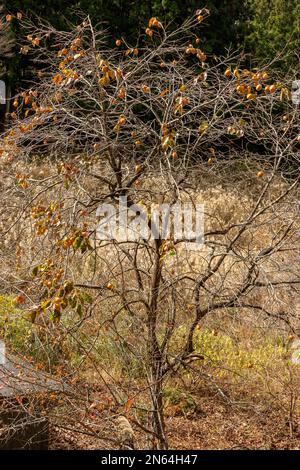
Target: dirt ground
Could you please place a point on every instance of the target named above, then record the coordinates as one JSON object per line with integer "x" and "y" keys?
{"x": 214, "y": 425}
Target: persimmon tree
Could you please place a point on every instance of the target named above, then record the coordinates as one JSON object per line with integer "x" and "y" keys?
{"x": 156, "y": 125}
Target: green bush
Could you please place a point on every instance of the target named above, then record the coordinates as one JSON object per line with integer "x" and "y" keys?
{"x": 221, "y": 352}
{"x": 176, "y": 399}
{"x": 15, "y": 329}
{"x": 22, "y": 337}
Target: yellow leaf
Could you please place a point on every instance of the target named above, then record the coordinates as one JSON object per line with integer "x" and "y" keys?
{"x": 104, "y": 81}
{"x": 203, "y": 126}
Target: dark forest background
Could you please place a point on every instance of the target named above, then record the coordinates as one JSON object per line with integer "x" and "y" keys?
{"x": 262, "y": 28}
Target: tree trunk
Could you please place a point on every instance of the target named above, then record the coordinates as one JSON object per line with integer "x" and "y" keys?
{"x": 155, "y": 356}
